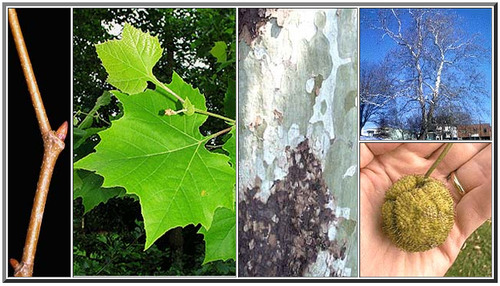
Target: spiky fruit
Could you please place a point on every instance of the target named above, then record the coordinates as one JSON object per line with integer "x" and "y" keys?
{"x": 417, "y": 213}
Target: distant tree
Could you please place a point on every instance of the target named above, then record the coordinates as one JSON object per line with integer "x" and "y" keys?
{"x": 413, "y": 123}
{"x": 452, "y": 116}
{"x": 384, "y": 127}
{"x": 436, "y": 60}
{"x": 392, "y": 121}
{"x": 375, "y": 91}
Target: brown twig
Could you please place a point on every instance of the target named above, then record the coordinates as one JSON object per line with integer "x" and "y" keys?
{"x": 53, "y": 143}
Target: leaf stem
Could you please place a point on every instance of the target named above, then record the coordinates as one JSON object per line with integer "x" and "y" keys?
{"x": 232, "y": 121}
{"x": 438, "y": 160}
{"x": 162, "y": 85}
{"x": 218, "y": 133}
{"x": 96, "y": 116}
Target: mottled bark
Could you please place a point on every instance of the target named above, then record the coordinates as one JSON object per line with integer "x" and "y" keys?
{"x": 297, "y": 144}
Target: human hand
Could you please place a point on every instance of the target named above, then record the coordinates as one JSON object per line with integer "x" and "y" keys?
{"x": 382, "y": 164}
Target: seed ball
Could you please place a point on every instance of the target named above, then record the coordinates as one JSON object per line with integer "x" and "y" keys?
{"x": 417, "y": 213}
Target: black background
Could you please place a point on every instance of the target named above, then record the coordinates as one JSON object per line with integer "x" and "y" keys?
{"x": 47, "y": 33}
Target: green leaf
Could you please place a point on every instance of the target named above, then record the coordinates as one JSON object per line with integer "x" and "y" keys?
{"x": 77, "y": 181}
{"x": 189, "y": 107}
{"x": 220, "y": 239}
{"x": 102, "y": 100}
{"x": 230, "y": 146}
{"x": 219, "y": 51}
{"x": 130, "y": 61}
{"x": 87, "y": 185}
{"x": 163, "y": 160}
{"x": 80, "y": 135}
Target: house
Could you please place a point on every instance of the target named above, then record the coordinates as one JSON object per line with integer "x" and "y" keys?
{"x": 481, "y": 131}
{"x": 443, "y": 133}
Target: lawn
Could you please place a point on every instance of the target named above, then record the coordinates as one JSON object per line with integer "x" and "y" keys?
{"x": 474, "y": 259}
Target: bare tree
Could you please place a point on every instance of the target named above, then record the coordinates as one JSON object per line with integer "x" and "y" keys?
{"x": 392, "y": 122}
{"x": 452, "y": 115}
{"x": 375, "y": 91}
{"x": 437, "y": 60}
{"x": 413, "y": 123}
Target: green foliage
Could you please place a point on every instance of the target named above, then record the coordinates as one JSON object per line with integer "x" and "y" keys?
{"x": 189, "y": 107}
{"x": 116, "y": 254}
{"x": 195, "y": 32}
{"x": 221, "y": 237}
{"x": 87, "y": 185}
{"x": 130, "y": 60}
{"x": 161, "y": 159}
{"x": 191, "y": 41}
{"x": 219, "y": 51}
{"x": 117, "y": 250}
{"x": 230, "y": 147}
{"x": 230, "y": 99}
{"x": 102, "y": 100}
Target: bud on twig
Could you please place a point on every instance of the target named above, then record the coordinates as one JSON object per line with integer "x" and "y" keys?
{"x": 62, "y": 131}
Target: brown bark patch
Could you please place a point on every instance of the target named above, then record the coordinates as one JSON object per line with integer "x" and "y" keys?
{"x": 283, "y": 236}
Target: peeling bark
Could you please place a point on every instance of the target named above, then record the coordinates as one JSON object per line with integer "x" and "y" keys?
{"x": 297, "y": 144}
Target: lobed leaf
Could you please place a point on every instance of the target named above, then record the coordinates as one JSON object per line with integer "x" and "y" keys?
{"x": 129, "y": 62}
{"x": 163, "y": 160}
{"x": 87, "y": 186}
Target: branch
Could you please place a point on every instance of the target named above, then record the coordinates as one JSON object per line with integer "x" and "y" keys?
{"x": 53, "y": 143}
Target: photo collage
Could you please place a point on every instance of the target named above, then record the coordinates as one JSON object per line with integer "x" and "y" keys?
{"x": 249, "y": 143}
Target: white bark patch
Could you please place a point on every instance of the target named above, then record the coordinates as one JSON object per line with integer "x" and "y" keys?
{"x": 343, "y": 212}
{"x": 350, "y": 171}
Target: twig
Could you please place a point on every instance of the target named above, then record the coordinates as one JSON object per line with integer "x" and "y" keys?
{"x": 53, "y": 143}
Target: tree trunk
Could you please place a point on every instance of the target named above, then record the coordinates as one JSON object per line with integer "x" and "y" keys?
{"x": 176, "y": 243}
{"x": 423, "y": 124}
{"x": 297, "y": 144}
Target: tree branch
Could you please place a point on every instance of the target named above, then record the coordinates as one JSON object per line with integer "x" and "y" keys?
{"x": 53, "y": 142}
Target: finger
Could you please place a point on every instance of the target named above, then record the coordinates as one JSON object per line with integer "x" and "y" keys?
{"x": 366, "y": 155}
{"x": 476, "y": 170}
{"x": 424, "y": 150}
{"x": 473, "y": 174}
{"x": 407, "y": 158}
{"x": 382, "y": 148}
{"x": 474, "y": 208}
{"x": 458, "y": 155}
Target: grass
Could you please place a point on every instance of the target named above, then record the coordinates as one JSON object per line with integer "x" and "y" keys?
{"x": 474, "y": 260}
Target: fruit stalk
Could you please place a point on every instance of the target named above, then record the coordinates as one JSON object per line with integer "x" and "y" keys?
{"x": 438, "y": 160}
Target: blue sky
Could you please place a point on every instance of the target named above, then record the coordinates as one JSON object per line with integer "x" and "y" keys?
{"x": 373, "y": 48}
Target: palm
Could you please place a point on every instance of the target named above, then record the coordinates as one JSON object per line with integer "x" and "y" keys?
{"x": 379, "y": 256}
